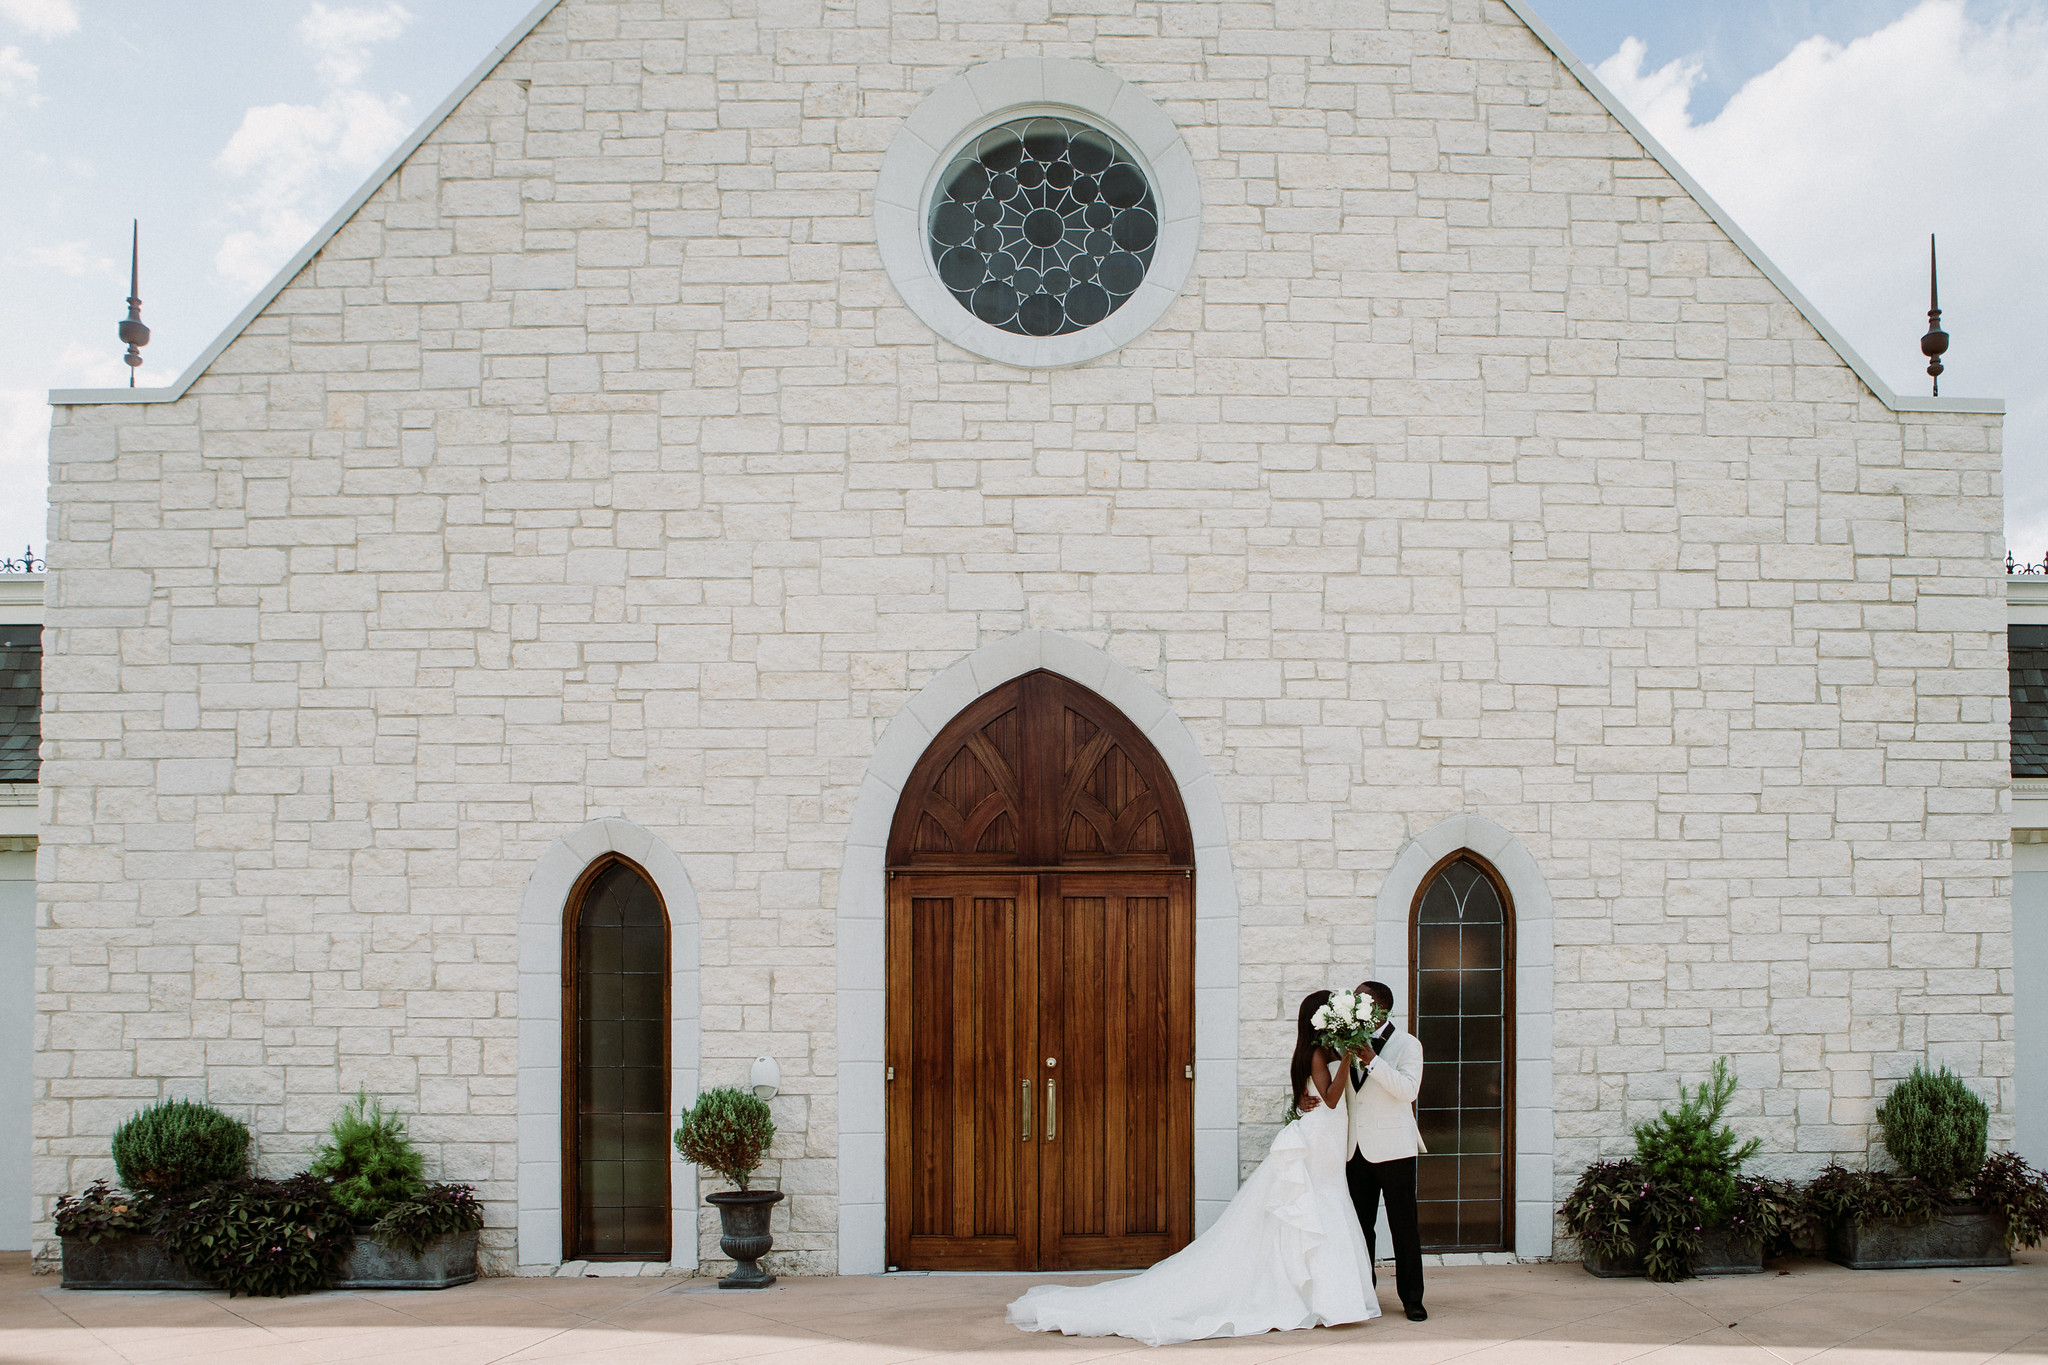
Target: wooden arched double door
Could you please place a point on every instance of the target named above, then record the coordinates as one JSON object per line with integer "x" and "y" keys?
{"x": 1040, "y": 993}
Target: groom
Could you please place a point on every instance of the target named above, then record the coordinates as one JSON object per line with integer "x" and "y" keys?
{"x": 1384, "y": 1142}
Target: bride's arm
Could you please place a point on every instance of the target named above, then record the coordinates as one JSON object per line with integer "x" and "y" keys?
{"x": 1327, "y": 1087}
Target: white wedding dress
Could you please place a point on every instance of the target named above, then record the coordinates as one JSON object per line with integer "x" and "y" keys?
{"x": 1286, "y": 1253}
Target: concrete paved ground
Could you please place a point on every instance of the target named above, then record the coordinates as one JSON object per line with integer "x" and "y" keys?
{"x": 1511, "y": 1315}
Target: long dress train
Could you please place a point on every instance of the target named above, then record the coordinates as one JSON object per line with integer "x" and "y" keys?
{"x": 1286, "y": 1253}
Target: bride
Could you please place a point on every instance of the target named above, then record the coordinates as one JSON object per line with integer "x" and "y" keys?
{"x": 1287, "y": 1252}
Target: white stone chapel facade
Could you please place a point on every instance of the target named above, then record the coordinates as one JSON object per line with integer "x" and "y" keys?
{"x": 1384, "y": 472}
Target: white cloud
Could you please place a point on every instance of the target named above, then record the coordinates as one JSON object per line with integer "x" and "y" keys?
{"x": 341, "y": 38}
{"x": 1841, "y": 159}
{"x": 296, "y": 161}
{"x": 17, "y": 73}
{"x": 43, "y": 18}
{"x": 75, "y": 259}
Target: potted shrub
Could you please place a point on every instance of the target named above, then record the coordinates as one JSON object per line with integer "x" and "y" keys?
{"x": 1681, "y": 1206}
{"x": 111, "y": 1239}
{"x": 1946, "y": 1205}
{"x": 728, "y": 1131}
{"x": 408, "y": 1234}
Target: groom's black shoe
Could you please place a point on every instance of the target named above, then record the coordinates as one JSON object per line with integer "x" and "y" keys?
{"x": 1417, "y": 1313}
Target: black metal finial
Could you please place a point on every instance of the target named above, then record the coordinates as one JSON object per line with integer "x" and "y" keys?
{"x": 132, "y": 330}
{"x": 1935, "y": 344}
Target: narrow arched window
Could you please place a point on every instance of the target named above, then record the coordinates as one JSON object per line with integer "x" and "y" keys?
{"x": 615, "y": 1073}
{"x": 1461, "y": 955}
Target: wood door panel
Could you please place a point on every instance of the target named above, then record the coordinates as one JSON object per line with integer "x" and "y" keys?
{"x": 961, "y": 1030}
{"x": 1117, "y": 1011}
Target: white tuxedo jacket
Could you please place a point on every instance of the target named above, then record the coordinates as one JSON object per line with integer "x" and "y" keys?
{"x": 1381, "y": 1121}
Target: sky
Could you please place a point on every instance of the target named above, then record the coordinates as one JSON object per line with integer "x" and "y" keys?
{"x": 1838, "y": 133}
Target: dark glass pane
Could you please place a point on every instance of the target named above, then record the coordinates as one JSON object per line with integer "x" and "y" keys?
{"x": 1436, "y": 993}
{"x": 1438, "y": 1223}
{"x": 1479, "y": 992}
{"x": 646, "y": 949}
{"x": 1439, "y": 1087}
{"x": 600, "y": 1137}
{"x": 1479, "y": 1086}
{"x": 602, "y": 1183}
{"x": 642, "y": 1047}
{"x": 642, "y": 999}
{"x": 1480, "y": 945}
{"x": 603, "y": 1041}
{"x": 622, "y": 1123}
{"x": 1479, "y": 1039}
{"x": 1436, "y": 1180}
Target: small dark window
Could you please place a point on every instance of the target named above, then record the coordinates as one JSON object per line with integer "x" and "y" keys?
{"x": 618, "y": 1082}
{"x": 21, "y": 702}
{"x": 2027, "y": 673}
{"x": 1043, "y": 226}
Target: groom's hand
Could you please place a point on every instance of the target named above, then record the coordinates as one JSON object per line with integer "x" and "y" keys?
{"x": 1309, "y": 1101}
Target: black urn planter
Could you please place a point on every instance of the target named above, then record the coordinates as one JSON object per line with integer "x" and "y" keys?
{"x": 126, "y": 1263}
{"x": 1960, "y": 1235}
{"x": 373, "y": 1263}
{"x": 1722, "y": 1252}
{"x": 743, "y": 1234}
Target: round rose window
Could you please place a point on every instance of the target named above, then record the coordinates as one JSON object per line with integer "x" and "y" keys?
{"x": 1043, "y": 226}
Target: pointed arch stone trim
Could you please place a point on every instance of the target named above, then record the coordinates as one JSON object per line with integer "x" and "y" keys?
{"x": 861, "y": 953}
{"x": 541, "y": 912}
{"x": 1535, "y": 992}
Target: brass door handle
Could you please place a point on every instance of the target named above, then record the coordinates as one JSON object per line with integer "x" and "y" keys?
{"x": 1026, "y": 1137}
{"x": 1052, "y": 1113}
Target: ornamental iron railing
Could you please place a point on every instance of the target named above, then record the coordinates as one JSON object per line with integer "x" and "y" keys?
{"x": 28, "y": 563}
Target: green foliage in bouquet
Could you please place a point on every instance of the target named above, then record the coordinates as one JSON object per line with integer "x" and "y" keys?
{"x": 371, "y": 1161}
{"x": 261, "y": 1237}
{"x": 179, "y": 1145}
{"x": 727, "y": 1131}
{"x": 2010, "y": 1186}
{"x": 433, "y": 1211}
{"x": 1935, "y": 1128}
{"x": 1692, "y": 1152}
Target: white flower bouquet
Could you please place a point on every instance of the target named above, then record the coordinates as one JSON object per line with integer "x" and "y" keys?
{"x": 1347, "y": 1021}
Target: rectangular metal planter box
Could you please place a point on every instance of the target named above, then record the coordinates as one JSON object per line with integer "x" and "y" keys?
{"x": 125, "y": 1263}
{"x": 448, "y": 1260}
{"x": 1961, "y": 1236}
{"x": 1721, "y": 1253}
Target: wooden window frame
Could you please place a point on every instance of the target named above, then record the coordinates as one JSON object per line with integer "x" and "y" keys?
{"x": 572, "y": 1054}
{"x": 1510, "y": 1087}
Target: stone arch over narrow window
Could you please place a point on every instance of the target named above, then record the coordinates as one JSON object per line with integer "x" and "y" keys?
{"x": 552, "y": 889}
{"x": 1461, "y": 993}
{"x": 1533, "y": 1141}
{"x": 615, "y": 1067}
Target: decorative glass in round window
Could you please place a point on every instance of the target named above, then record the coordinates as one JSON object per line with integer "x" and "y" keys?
{"x": 1043, "y": 226}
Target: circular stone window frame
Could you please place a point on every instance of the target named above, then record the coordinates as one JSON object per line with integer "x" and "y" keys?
{"x": 994, "y": 93}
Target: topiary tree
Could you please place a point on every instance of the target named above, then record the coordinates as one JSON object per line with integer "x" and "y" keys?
{"x": 728, "y": 1131}
{"x": 1692, "y": 1151}
{"x": 1935, "y": 1128}
{"x": 179, "y": 1145}
{"x": 370, "y": 1159}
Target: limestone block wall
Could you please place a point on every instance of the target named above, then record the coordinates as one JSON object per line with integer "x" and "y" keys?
{"x": 594, "y": 469}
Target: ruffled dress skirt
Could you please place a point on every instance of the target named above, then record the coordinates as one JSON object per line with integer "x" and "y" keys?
{"x": 1287, "y": 1253}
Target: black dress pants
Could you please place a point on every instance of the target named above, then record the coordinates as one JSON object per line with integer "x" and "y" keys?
{"x": 1369, "y": 1180}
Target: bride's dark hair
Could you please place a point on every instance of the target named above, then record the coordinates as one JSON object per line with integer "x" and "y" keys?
{"x": 1304, "y": 1044}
